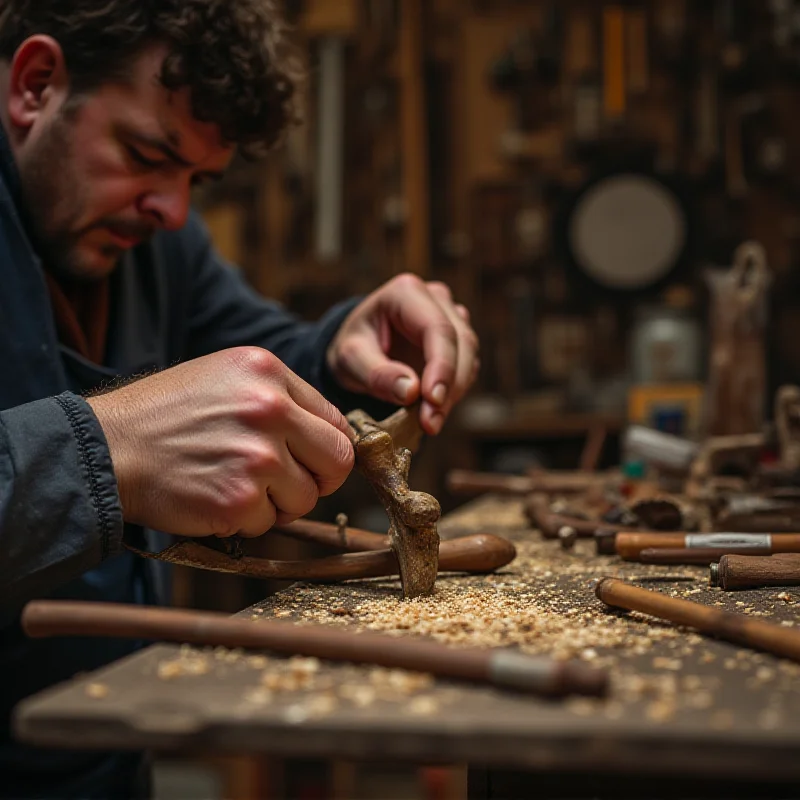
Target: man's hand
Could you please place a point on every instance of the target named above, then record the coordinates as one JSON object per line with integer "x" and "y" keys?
{"x": 408, "y": 338}
{"x": 229, "y": 443}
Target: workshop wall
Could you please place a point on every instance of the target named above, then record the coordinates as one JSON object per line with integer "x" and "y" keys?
{"x": 571, "y": 169}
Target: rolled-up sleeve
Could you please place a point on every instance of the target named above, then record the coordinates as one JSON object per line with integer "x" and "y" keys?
{"x": 60, "y": 513}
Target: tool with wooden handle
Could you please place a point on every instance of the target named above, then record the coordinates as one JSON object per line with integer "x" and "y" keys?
{"x": 479, "y": 553}
{"x": 702, "y": 556}
{"x": 736, "y": 628}
{"x": 550, "y": 524}
{"x": 755, "y": 572}
{"x": 630, "y": 545}
{"x": 500, "y": 667}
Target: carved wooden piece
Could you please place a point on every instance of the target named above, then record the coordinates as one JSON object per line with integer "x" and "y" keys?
{"x": 787, "y": 422}
{"x": 737, "y": 377}
{"x": 413, "y": 535}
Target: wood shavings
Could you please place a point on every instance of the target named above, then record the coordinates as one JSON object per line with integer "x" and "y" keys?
{"x": 722, "y": 720}
{"x": 97, "y": 691}
{"x": 183, "y": 665}
{"x": 661, "y": 710}
{"x": 424, "y": 706}
{"x": 543, "y": 603}
{"x": 361, "y": 696}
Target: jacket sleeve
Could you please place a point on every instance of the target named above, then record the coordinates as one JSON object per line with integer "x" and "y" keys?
{"x": 59, "y": 508}
{"x": 225, "y": 311}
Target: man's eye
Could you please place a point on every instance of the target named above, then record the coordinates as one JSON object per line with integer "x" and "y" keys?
{"x": 141, "y": 159}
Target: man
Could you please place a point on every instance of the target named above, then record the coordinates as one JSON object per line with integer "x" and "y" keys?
{"x": 111, "y": 111}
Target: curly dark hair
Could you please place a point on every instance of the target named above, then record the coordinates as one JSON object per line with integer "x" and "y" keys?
{"x": 233, "y": 55}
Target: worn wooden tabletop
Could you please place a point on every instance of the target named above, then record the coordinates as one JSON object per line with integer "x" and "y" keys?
{"x": 678, "y": 700}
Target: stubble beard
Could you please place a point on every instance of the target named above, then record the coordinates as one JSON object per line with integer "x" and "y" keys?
{"x": 54, "y": 201}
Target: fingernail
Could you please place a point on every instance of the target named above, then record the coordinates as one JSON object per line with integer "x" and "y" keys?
{"x": 437, "y": 421}
{"x": 439, "y": 393}
{"x": 402, "y": 386}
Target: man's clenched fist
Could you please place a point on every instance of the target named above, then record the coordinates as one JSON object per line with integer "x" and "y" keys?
{"x": 228, "y": 443}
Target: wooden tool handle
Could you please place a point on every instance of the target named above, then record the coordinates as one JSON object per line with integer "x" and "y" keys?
{"x": 751, "y": 572}
{"x": 724, "y": 624}
{"x": 692, "y": 555}
{"x": 550, "y": 524}
{"x": 500, "y": 667}
{"x": 629, "y": 545}
{"x": 461, "y": 481}
{"x": 346, "y": 538}
{"x": 478, "y": 553}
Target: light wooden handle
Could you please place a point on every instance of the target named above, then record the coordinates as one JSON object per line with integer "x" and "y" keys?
{"x": 723, "y": 624}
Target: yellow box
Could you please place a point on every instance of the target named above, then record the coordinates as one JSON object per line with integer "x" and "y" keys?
{"x": 670, "y": 407}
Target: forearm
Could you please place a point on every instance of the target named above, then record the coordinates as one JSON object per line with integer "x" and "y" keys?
{"x": 59, "y": 509}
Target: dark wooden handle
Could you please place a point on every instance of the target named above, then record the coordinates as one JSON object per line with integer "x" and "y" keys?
{"x": 550, "y": 524}
{"x": 629, "y": 545}
{"x": 751, "y": 572}
{"x": 478, "y": 553}
{"x": 723, "y": 624}
{"x": 691, "y": 555}
{"x": 500, "y": 667}
{"x": 352, "y": 539}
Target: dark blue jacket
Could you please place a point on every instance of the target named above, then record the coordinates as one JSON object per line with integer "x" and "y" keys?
{"x": 172, "y": 299}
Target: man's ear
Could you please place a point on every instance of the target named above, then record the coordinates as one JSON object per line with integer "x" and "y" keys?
{"x": 37, "y": 78}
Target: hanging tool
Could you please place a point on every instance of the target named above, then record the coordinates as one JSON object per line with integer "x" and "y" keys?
{"x": 614, "y": 88}
{"x": 499, "y": 667}
{"x": 637, "y": 49}
{"x": 737, "y": 628}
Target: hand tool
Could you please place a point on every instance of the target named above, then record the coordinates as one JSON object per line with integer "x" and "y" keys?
{"x": 698, "y": 555}
{"x": 383, "y": 455}
{"x": 737, "y": 628}
{"x": 370, "y": 555}
{"x": 614, "y": 89}
{"x": 385, "y": 464}
{"x": 636, "y": 41}
{"x": 549, "y": 524}
{"x": 754, "y": 572}
{"x": 500, "y": 667}
{"x": 630, "y": 545}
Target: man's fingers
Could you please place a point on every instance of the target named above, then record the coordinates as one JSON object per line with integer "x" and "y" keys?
{"x": 416, "y": 314}
{"x": 259, "y": 518}
{"x": 323, "y": 451}
{"x": 292, "y": 488}
{"x": 362, "y": 360}
{"x": 466, "y": 352}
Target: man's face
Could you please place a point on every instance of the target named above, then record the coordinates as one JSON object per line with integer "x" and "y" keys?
{"x": 103, "y": 175}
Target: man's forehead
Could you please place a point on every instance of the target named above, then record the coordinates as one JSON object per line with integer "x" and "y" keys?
{"x": 169, "y": 113}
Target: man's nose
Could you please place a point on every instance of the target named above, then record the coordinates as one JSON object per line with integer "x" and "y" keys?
{"x": 167, "y": 205}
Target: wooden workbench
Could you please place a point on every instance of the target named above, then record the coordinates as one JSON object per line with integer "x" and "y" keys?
{"x": 680, "y": 703}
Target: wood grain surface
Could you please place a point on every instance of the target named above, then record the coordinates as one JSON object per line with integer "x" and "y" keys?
{"x": 678, "y": 700}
